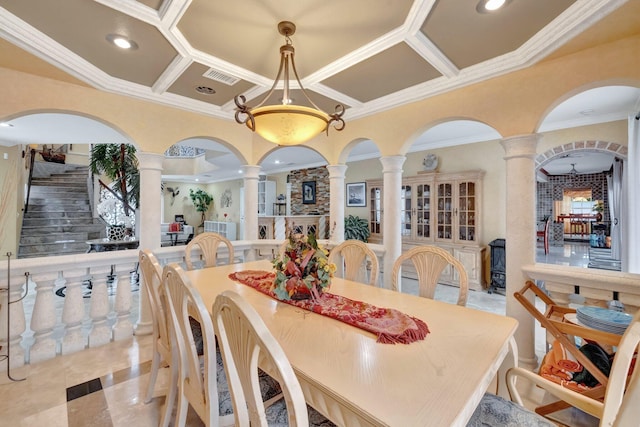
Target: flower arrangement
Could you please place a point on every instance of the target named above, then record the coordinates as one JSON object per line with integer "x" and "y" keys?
{"x": 303, "y": 271}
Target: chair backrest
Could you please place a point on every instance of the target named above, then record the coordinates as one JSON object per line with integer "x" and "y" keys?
{"x": 351, "y": 257}
{"x": 197, "y": 385}
{"x": 621, "y": 407}
{"x": 429, "y": 262}
{"x": 152, "y": 276}
{"x": 244, "y": 342}
{"x": 208, "y": 243}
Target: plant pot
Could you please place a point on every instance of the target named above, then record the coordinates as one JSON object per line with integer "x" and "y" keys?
{"x": 116, "y": 232}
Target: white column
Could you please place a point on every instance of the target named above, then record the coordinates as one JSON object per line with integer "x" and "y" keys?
{"x": 520, "y": 237}
{"x": 392, "y": 239}
{"x": 336, "y": 203}
{"x": 150, "y": 166}
{"x": 250, "y": 201}
{"x": 631, "y": 201}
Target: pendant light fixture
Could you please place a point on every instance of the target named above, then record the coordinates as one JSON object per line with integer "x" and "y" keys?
{"x": 286, "y": 123}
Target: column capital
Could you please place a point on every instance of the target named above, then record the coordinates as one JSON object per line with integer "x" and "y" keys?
{"x": 392, "y": 163}
{"x": 336, "y": 171}
{"x": 520, "y": 146}
{"x": 152, "y": 161}
{"x": 250, "y": 171}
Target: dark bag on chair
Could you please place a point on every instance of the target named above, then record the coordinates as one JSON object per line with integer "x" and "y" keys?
{"x": 600, "y": 358}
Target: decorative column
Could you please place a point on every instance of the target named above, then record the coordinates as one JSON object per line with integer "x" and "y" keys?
{"x": 392, "y": 239}
{"x": 43, "y": 317}
{"x": 520, "y": 236}
{"x": 336, "y": 202}
{"x": 150, "y": 166}
{"x": 251, "y": 173}
{"x": 631, "y": 200}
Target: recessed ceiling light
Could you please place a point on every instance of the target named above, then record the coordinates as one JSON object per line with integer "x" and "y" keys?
{"x": 277, "y": 162}
{"x": 588, "y": 112}
{"x": 197, "y": 179}
{"x": 121, "y": 41}
{"x": 6, "y": 125}
{"x": 490, "y": 5}
{"x": 205, "y": 90}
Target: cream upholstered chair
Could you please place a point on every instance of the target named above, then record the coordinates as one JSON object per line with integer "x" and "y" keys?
{"x": 352, "y": 256}
{"x": 246, "y": 342}
{"x": 162, "y": 355}
{"x": 208, "y": 243}
{"x": 429, "y": 262}
{"x": 197, "y": 382}
{"x": 620, "y": 406}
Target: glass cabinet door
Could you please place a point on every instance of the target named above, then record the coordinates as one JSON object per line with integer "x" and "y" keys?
{"x": 405, "y": 210}
{"x": 444, "y": 230}
{"x": 423, "y": 211}
{"x": 375, "y": 212}
{"x": 467, "y": 211}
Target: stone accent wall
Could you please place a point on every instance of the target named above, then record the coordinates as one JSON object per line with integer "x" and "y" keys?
{"x": 552, "y": 190}
{"x": 321, "y": 177}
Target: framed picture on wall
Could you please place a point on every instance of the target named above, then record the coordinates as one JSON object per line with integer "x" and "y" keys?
{"x": 309, "y": 192}
{"x": 357, "y": 194}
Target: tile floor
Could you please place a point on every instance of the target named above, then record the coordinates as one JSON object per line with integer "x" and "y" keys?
{"x": 105, "y": 386}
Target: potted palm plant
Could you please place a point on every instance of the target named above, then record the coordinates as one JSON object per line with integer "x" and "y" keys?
{"x": 117, "y": 162}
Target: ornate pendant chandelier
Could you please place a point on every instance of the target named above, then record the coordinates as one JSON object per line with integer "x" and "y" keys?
{"x": 286, "y": 123}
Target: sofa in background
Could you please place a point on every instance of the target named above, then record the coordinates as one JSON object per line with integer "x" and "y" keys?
{"x": 181, "y": 239}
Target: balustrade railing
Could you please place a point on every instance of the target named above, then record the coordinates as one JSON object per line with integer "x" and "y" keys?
{"x": 566, "y": 284}
{"x": 81, "y": 301}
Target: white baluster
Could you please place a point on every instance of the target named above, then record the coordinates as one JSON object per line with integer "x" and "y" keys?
{"x": 17, "y": 324}
{"x": 280, "y": 228}
{"x": 123, "y": 328}
{"x": 100, "y": 333}
{"x": 73, "y": 311}
{"x": 43, "y": 318}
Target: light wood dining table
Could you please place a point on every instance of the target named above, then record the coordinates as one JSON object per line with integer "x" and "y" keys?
{"x": 355, "y": 381}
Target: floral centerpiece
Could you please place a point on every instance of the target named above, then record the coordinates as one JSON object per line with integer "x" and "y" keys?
{"x": 303, "y": 270}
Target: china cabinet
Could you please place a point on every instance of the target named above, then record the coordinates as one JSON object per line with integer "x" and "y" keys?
{"x": 442, "y": 209}
{"x": 266, "y": 197}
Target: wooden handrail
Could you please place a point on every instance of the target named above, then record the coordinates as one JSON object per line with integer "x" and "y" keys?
{"x": 31, "y": 160}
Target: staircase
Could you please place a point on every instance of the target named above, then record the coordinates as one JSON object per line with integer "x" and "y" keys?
{"x": 59, "y": 219}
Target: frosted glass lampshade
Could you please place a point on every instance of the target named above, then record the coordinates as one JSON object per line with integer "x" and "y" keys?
{"x": 289, "y": 124}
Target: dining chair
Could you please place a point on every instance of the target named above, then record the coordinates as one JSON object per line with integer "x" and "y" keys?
{"x": 430, "y": 262}
{"x": 162, "y": 350}
{"x": 544, "y": 234}
{"x": 245, "y": 342}
{"x": 354, "y": 258}
{"x": 620, "y": 405}
{"x": 208, "y": 243}
{"x": 200, "y": 382}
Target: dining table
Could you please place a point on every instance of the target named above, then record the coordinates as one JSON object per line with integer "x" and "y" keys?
{"x": 354, "y": 380}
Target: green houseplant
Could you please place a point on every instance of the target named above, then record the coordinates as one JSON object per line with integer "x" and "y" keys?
{"x": 356, "y": 228}
{"x": 201, "y": 200}
{"x": 119, "y": 163}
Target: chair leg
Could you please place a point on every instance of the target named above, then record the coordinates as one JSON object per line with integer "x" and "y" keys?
{"x": 170, "y": 398}
{"x": 155, "y": 365}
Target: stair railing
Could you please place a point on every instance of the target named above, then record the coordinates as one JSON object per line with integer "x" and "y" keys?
{"x": 116, "y": 195}
{"x": 31, "y": 160}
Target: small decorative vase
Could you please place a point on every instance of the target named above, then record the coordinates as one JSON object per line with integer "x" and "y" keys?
{"x": 116, "y": 232}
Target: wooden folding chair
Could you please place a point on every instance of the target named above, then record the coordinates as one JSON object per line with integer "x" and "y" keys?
{"x": 554, "y": 321}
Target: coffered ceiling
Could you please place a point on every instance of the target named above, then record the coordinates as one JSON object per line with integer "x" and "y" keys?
{"x": 370, "y": 55}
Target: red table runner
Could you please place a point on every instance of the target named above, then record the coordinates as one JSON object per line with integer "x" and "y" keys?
{"x": 390, "y": 325}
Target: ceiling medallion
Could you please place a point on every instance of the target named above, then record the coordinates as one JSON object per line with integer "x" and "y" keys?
{"x": 286, "y": 123}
